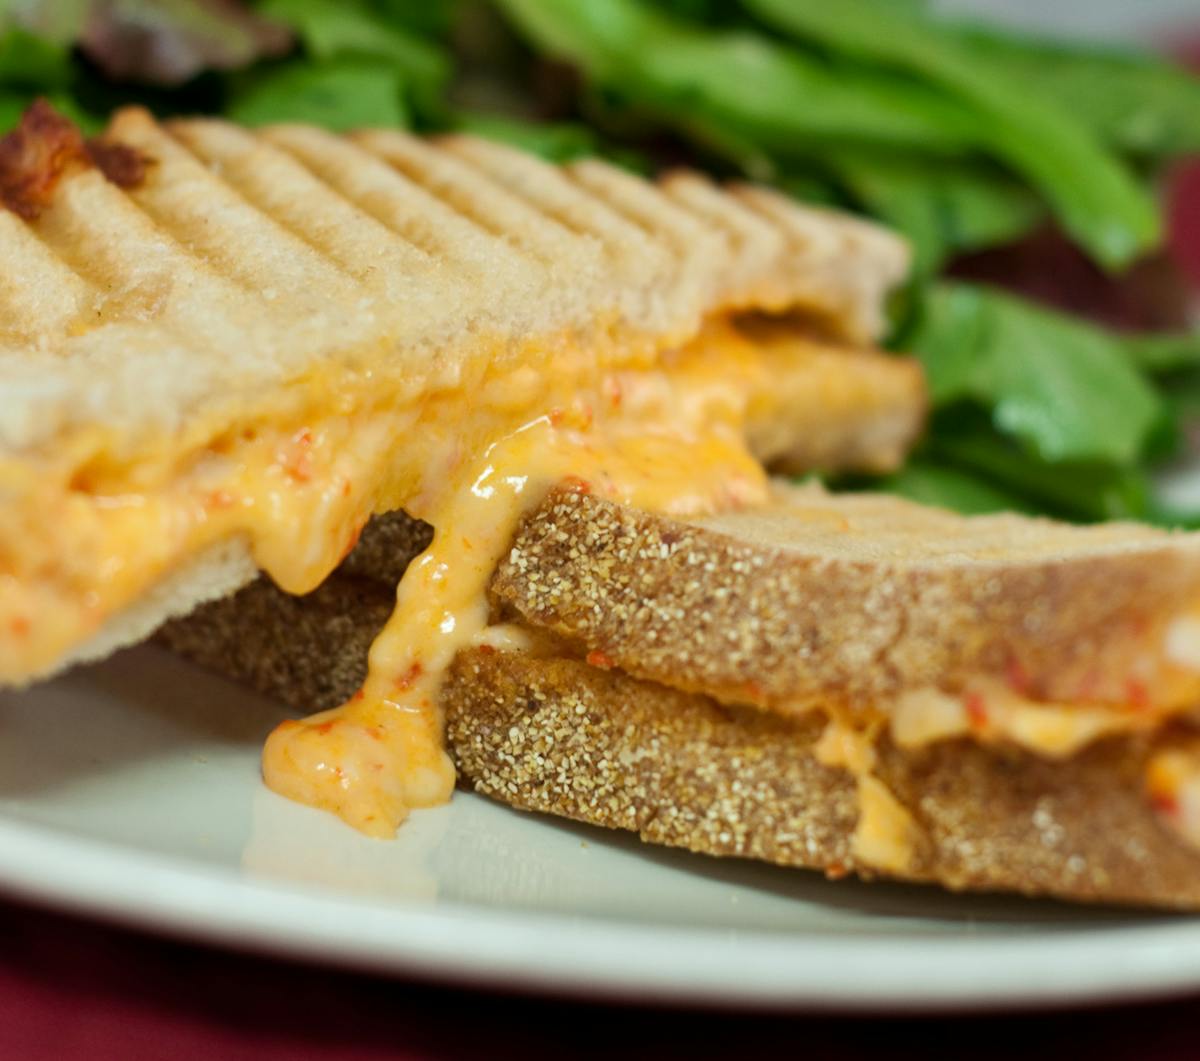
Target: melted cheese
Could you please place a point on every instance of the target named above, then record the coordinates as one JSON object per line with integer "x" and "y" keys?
{"x": 1173, "y": 788}
{"x": 373, "y": 759}
{"x": 989, "y": 711}
{"x": 885, "y": 835}
{"x": 298, "y": 481}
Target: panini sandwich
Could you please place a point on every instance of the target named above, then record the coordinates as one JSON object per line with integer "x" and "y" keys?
{"x": 223, "y": 351}
{"x": 855, "y": 684}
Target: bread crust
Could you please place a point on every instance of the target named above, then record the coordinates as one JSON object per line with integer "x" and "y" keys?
{"x": 308, "y": 651}
{"x": 215, "y": 573}
{"x": 848, "y": 597}
{"x": 561, "y": 737}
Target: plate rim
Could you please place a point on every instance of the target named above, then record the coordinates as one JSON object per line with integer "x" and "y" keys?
{"x": 476, "y": 946}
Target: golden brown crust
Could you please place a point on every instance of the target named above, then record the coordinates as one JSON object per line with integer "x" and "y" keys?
{"x": 558, "y": 736}
{"x": 849, "y": 597}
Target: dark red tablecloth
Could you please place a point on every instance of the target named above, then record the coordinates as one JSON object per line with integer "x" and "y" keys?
{"x": 1184, "y": 221}
{"x": 1183, "y": 194}
{"x": 71, "y": 988}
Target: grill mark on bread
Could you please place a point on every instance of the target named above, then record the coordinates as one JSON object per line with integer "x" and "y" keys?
{"x": 501, "y": 276}
{"x": 47, "y": 292}
{"x": 90, "y": 219}
{"x": 700, "y": 261}
{"x": 796, "y": 231}
{"x": 403, "y": 280}
{"x": 379, "y": 189}
{"x": 623, "y": 245}
{"x": 751, "y": 239}
{"x": 545, "y": 188}
{"x": 219, "y": 226}
{"x": 751, "y": 245}
{"x": 475, "y": 194}
{"x": 824, "y": 240}
{"x": 250, "y": 167}
{"x": 643, "y": 204}
{"x": 199, "y": 272}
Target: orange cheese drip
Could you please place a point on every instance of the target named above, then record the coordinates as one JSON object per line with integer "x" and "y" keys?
{"x": 373, "y": 759}
{"x": 1172, "y": 787}
{"x": 85, "y": 532}
{"x": 885, "y": 836}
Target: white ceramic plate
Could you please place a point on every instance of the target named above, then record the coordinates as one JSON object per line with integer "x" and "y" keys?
{"x": 131, "y": 790}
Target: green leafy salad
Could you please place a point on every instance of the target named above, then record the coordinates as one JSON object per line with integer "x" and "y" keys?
{"x": 963, "y": 136}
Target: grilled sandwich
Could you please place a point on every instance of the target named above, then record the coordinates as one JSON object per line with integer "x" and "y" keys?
{"x": 855, "y": 684}
{"x": 223, "y": 351}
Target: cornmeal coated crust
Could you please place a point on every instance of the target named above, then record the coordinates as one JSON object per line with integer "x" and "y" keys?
{"x": 849, "y": 597}
{"x": 389, "y": 543}
{"x": 558, "y": 736}
{"x": 309, "y": 651}
{"x": 565, "y": 738}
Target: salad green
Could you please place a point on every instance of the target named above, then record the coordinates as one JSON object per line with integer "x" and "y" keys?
{"x": 963, "y": 136}
{"x": 1092, "y": 191}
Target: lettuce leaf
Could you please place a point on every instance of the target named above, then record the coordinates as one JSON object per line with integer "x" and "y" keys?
{"x": 341, "y": 29}
{"x": 944, "y": 208}
{"x": 744, "y": 83}
{"x": 1066, "y": 390}
{"x": 340, "y": 95}
{"x": 1095, "y": 196}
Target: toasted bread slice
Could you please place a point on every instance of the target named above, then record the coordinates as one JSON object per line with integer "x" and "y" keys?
{"x": 297, "y": 248}
{"x": 555, "y": 735}
{"x": 306, "y": 650}
{"x": 861, "y": 597}
{"x": 229, "y": 294}
{"x": 561, "y": 737}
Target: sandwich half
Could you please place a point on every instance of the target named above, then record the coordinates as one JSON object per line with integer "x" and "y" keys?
{"x": 854, "y": 684}
{"x": 223, "y": 351}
